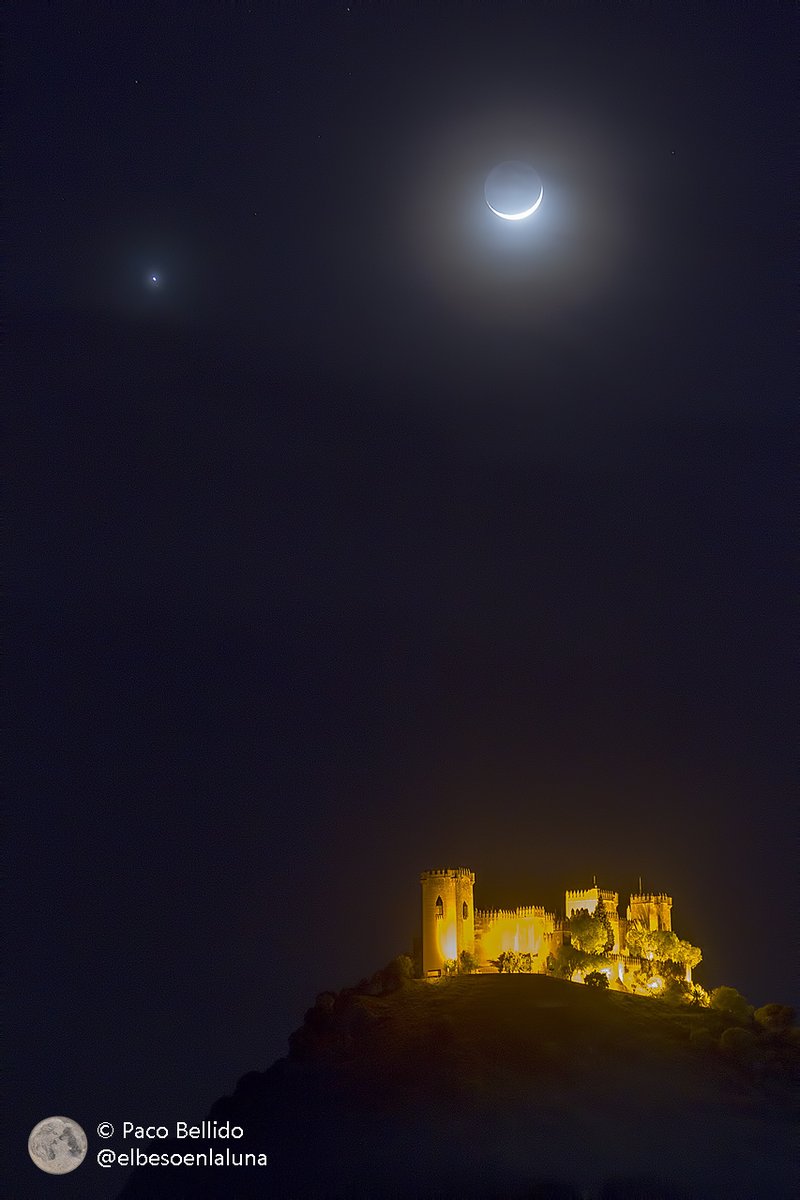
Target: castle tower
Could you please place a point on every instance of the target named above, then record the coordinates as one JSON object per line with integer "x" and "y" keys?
{"x": 448, "y": 916}
{"x": 589, "y": 898}
{"x": 650, "y": 909}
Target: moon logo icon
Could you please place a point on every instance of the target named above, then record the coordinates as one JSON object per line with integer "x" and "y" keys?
{"x": 513, "y": 191}
{"x": 57, "y": 1145}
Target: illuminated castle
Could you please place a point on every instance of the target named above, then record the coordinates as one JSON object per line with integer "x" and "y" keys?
{"x": 451, "y": 924}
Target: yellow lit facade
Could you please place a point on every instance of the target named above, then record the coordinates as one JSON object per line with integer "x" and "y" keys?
{"x": 448, "y": 917}
{"x": 451, "y": 924}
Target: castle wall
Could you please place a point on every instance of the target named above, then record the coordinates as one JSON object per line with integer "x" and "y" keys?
{"x": 525, "y": 930}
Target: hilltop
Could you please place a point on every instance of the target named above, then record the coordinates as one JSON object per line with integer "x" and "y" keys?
{"x": 506, "y": 1086}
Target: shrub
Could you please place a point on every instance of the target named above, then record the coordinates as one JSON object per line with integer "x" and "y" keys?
{"x": 596, "y": 979}
{"x": 678, "y": 991}
{"x": 728, "y": 1000}
{"x": 467, "y": 962}
{"x": 395, "y": 975}
{"x": 511, "y": 962}
{"x": 698, "y": 996}
{"x": 775, "y": 1018}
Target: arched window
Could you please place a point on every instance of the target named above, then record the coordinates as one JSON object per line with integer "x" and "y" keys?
{"x": 439, "y": 908}
{"x": 464, "y": 910}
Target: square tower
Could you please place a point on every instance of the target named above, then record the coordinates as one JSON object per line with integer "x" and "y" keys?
{"x": 652, "y": 910}
{"x": 589, "y": 898}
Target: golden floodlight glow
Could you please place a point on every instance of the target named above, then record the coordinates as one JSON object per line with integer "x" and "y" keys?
{"x": 449, "y": 941}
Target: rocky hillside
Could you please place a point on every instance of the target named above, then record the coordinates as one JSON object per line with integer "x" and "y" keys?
{"x": 507, "y": 1086}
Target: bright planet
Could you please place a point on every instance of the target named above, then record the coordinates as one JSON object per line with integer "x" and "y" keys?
{"x": 513, "y": 190}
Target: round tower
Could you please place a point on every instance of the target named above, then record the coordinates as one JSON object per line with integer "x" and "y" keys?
{"x": 448, "y": 916}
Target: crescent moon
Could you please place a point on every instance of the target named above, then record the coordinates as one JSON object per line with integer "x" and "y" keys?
{"x": 521, "y": 215}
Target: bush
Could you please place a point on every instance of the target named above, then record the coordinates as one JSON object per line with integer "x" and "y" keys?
{"x": 678, "y": 991}
{"x": 596, "y": 979}
{"x": 675, "y": 991}
{"x": 728, "y": 1000}
{"x": 511, "y": 962}
{"x": 467, "y": 962}
{"x": 775, "y": 1018}
{"x": 395, "y": 975}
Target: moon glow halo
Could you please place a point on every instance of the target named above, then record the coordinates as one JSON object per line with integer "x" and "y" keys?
{"x": 513, "y": 191}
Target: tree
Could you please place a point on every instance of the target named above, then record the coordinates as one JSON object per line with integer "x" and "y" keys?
{"x": 567, "y": 960}
{"x": 467, "y": 962}
{"x": 601, "y": 916}
{"x": 661, "y": 945}
{"x": 596, "y": 979}
{"x": 395, "y": 975}
{"x": 689, "y": 955}
{"x": 588, "y": 933}
{"x": 657, "y": 945}
{"x": 670, "y": 969}
{"x": 728, "y": 1000}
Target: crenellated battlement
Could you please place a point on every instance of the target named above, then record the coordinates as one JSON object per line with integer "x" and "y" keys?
{"x": 591, "y": 892}
{"x": 651, "y": 898}
{"x": 496, "y": 914}
{"x": 448, "y": 873}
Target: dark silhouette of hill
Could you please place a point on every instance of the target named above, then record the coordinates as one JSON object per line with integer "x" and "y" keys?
{"x": 505, "y": 1086}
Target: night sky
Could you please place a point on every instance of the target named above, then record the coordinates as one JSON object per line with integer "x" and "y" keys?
{"x": 379, "y": 534}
